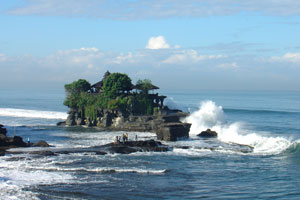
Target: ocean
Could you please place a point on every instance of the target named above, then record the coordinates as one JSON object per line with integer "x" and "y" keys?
{"x": 269, "y": 121}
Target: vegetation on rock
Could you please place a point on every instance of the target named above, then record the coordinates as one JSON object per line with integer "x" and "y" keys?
{"x": 115, "y": 94}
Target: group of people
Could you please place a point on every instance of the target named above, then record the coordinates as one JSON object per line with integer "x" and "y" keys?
{"x": 122, "y": 139}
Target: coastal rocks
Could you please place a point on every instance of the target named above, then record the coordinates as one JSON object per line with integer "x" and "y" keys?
{"x": 111, "y": 148}
{"x": 3, "y": 131}
{"x": 41, "y": 143}
{"x": 137, "y": 146}
{"x": 173, "y": 131}
{"x": 70, "y": 121}
{"x": 208, "y": 134}
{"x": 17, "y": 141}
{"x": 166, "y": 123}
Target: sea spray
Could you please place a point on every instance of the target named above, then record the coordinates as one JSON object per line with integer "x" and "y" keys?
{"x": 208, "y": 115}
{"x": 212, "y": 116}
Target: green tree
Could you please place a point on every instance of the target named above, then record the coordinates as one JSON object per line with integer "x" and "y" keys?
{"x": 144, "y": 85}
{"x": 75, "y": 93}
{"x": 78, "y": 86}
{"x": 116, "y": 84}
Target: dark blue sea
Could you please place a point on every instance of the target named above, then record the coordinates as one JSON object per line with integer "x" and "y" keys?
{"x": 269, "y": 121}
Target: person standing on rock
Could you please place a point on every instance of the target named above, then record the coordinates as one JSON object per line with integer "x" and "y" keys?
{"x": 123, "y": 138}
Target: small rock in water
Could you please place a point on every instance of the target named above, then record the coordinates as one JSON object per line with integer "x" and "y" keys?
{"x": 208, "y": 133}
{"x": 41, "y": 143}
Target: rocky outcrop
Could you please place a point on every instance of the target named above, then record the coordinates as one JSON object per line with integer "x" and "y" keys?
{"x": 17, "y": 141}
{"x": 208, "y": 134}
{"x": 3, "y": 131}
{"x": 111, "y": 148}
{"x": 165, "y": 123}
{"x": 41, "y": 143}
{"x": 173, "y": 131}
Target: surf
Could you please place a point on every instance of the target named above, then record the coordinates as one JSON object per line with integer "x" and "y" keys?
{"x": 210, "y": 115}
{"x": 25, "y": 113}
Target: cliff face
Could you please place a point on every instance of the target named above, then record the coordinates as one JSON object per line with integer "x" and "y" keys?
{"x": 165, "y": 123}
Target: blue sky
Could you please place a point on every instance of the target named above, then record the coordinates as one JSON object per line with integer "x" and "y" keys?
{"x": 178, "y": 44}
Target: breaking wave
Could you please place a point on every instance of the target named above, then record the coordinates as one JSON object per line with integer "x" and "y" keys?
{"x": 209, "y": 115}
{"x": 104, "y": 170}
{"x": 12, "y": 112}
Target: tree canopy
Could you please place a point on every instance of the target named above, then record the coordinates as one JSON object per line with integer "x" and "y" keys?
{"x": 115, "y": 84}
{"x": 144, "y": 85}
{"x": 78, "y": 86}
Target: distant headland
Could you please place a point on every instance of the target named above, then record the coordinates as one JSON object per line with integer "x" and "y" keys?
{"x": 117, "y": 104}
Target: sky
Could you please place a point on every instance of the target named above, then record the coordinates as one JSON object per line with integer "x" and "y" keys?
{"x": 178, "y": 44}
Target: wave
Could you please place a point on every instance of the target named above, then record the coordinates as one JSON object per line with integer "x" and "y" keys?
{"x": 24, "y": 113}
{"x": 294, "y": 148}
{"x": 104, "y": 170}
{"x": 209, "y": 115}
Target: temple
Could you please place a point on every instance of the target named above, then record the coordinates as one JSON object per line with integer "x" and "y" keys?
{"x": 157, "y": 100}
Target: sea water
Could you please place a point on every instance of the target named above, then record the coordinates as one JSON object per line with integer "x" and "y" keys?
{"x": 208, "y": 169}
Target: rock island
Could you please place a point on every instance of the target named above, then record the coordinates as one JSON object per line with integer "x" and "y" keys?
{"x": 115, "y": 103}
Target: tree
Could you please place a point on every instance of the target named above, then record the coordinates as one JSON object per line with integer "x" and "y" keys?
{"x": 78, "y": 86}
{"x": 116, "y": 84}
{"x": 74, "y": 93}
{"x": 144, "y": 85}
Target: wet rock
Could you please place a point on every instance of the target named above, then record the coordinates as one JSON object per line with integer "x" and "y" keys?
{"x": 137, "y": 146}
{"x": 126, "y": 148}
{"x": 41, "y": 143}
{"x": 61, "y": 124}
{"x": 18, "y": 141}
{"x": 173, "y": 131}
{"x": 42, "y": 153}
{"x": 3, "y": 131}
{"x": 208, "y": 134}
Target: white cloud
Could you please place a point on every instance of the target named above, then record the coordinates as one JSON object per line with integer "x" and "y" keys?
{"x": 158, "y": 42}
{"x": 189, "y": 56}
{"x": 293, "y": 57}
{"x": 288, "y": 57}
{"x": 153, "y": 9}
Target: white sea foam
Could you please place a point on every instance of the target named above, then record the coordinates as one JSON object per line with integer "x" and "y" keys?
{"x": 103, "y": 170}
{"x": 12, "y": 112}
{"x": 15, "y": 176}
{"x": 211, "y": 116}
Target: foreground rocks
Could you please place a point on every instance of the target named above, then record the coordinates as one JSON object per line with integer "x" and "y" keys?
{"x": 165, "y": 123}
{"x": 3, "y": 131}
{"x": 111, "y": 148}
{"x": 15, "y": 142}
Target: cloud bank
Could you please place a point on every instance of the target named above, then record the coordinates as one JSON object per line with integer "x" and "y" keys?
{"x": 153, "y": 9}
{"x": 169, "y": 68}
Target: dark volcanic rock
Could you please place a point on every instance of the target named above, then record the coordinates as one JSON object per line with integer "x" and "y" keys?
{"x": 61, "y": 123}
{"x": 208, "y": 133}
{"x": 173, "y": 131}
{"x": 42, "y": 153}
{"x": 126, "y": 148}
{"x": 18, "y": 141}
{"x": 41, "y": 143}
{"x": 165, "y": 123}
{"x": 137, "y": 146}
{"x": 3, "y": 131}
